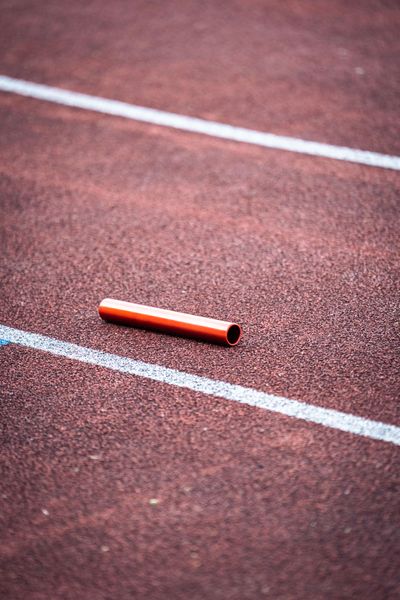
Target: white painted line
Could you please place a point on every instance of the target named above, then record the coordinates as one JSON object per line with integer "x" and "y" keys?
{"x": 184, "y": 123}
{"x": 221, "y": 389}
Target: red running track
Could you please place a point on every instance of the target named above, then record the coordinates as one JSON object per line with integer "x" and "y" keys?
{"x": 303, "y": 252}
{"x": 323, "y": 70}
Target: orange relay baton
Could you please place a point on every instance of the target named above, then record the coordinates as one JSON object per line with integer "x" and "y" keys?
{"x": 170, "y": 321}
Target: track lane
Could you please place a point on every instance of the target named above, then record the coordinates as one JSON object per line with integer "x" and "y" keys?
{"x": 324, "y": 71}
{"x": 304, "y": 253}
{"x": 340, "y": 421}
{"x": 249, "y": 504}
{"x": 225, "y": 131}
{"x": 314, "y": 279}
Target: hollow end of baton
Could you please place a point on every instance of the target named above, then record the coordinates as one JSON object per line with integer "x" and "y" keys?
{"x": 169, "y": 321}
{"x": 233, "y": 334}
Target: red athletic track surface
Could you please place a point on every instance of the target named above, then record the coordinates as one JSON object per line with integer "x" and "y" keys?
{"x": 302, "y": 251}
{"x": 319, "y": 69}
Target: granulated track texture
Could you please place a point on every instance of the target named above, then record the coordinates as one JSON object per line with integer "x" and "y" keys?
{"x": 118, "y": 487}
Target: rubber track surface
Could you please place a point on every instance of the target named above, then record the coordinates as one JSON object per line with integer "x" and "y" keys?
{"x": 116, "y": 487}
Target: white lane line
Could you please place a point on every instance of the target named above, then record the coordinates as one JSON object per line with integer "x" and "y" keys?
{"x": 185, "y": 123}
{"x": 221, "y": 389}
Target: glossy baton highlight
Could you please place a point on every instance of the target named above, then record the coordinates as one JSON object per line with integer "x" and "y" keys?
{"x": 170, "y": 321}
